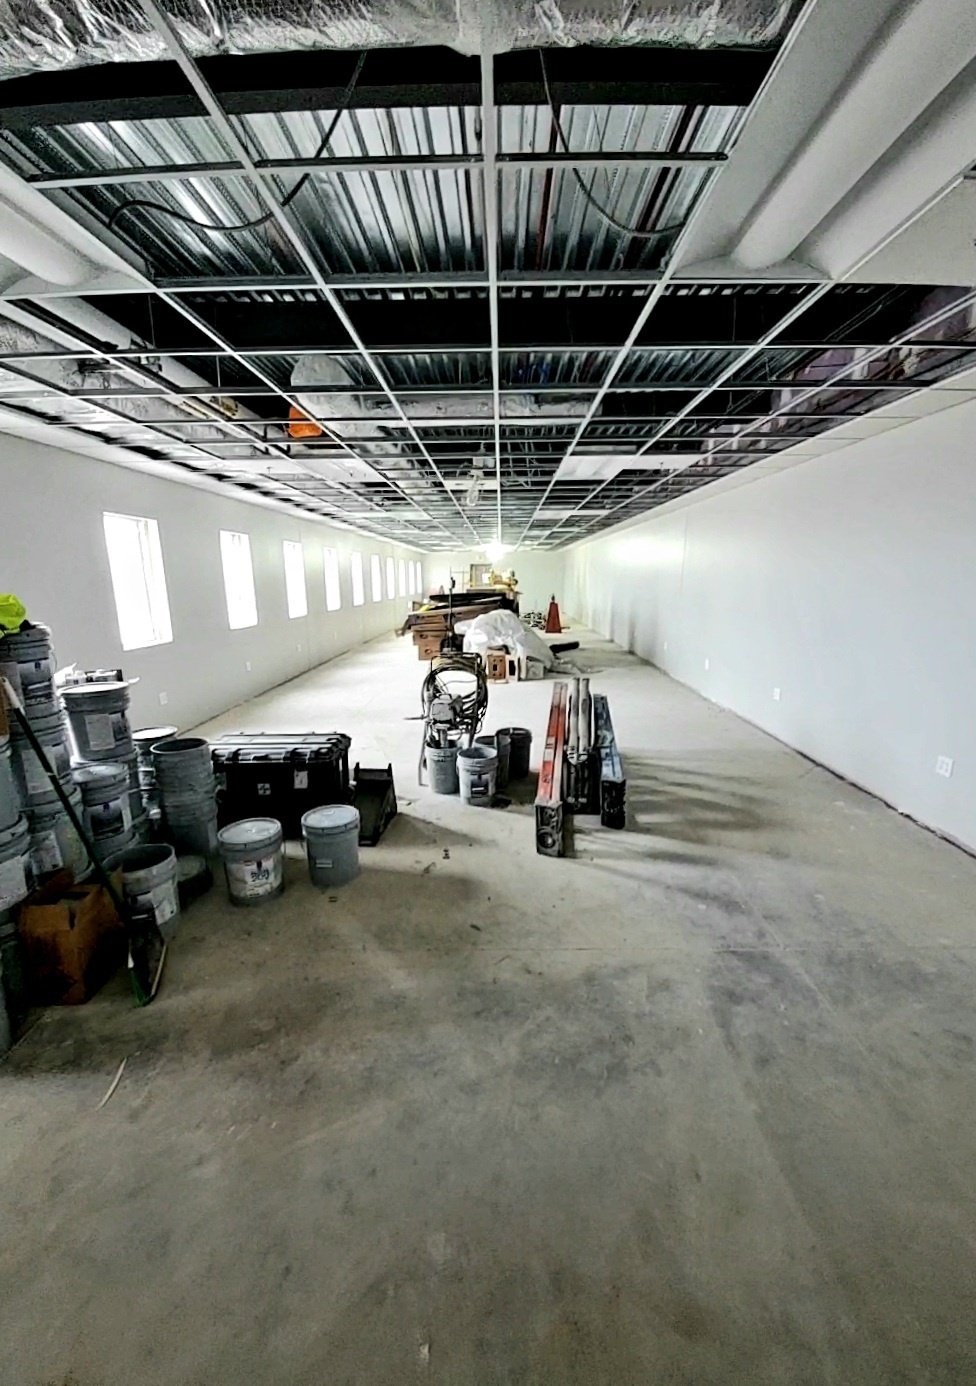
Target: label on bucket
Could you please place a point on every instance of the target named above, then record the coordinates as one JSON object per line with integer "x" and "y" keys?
{"x": 13, "y": 882}
{"x": 35, "y": 776}
{"x": 301, "y": 779}
{"x": 45, "y": 853}
{"x": 163, "y": 900}
{"x": 248, "y": 879}
{"x": 100, "y": 730}
{"x": 109, "y": 819}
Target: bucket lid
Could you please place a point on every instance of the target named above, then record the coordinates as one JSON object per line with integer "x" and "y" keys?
{"x": 331, "y": 818}
{"x": 9, "y": 836}
{"x": 249, "y": 832}
{"x": 104, "y": 771}
{"x": 86, "y": 690}
{"x": 151, "y": 734}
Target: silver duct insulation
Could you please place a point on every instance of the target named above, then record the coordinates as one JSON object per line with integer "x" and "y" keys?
{"x": 79, "y": 413}
{"x": 49, "y": 35}
{"x": 357, "y": 416}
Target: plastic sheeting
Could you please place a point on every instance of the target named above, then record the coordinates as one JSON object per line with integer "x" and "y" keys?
{"x": 48, "y": 35}
{"x": 497, "y": 630}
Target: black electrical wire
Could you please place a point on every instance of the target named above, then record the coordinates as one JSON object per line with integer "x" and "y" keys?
{"x": 581, "y": 181}
{"x": 187, "y": 220}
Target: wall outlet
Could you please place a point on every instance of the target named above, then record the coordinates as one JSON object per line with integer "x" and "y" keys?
{"x": 163, "y": 699}
{"x": 298, "y": 648}
{"x": 706, "y": 663}
{"x": 247, "y": 665}
{"x": 943, "y": 766}
{"x": 665, "y": 647}
{"x": 776, "y": 695}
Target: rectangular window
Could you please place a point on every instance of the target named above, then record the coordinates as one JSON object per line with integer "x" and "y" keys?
{"x": 412, "y": 569}
{"x": 235, "y": 556}
{"x": 333, "y": 589}
{"x": 356, "y": 568}
{"x": 295, "y": 589}
{"x": 420, "y": 579}
{"x": 138, "y": 581}
{"x": 402, "y": 578}
{"x": 390, "y": 579}
{"x": 376, "y": 577}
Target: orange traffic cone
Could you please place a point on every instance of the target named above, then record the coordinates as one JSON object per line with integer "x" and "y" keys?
{"x": 553, "y": 624}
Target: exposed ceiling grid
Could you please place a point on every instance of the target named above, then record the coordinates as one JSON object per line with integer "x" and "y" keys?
{"x": 472, "y": 295}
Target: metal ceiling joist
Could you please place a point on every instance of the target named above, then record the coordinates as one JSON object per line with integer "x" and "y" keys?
{"x": 404, "y": 163}
{"x": 313, "y": 81}
{"x": 227, "y": 132}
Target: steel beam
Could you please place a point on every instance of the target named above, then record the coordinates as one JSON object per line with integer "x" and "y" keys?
{"x": 489, "y": 184}
{"x": 316, "y": 81}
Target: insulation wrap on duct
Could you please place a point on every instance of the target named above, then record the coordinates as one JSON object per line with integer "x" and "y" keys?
{"x": 66, "y": 375}
{"x": 49, "y": 35}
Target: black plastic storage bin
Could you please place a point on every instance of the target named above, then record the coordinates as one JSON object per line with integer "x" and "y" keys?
{"x": 279, "y": 775}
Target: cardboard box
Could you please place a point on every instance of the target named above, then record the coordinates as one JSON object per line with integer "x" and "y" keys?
{"x": 72, "y": 941}
{"x": 428, "y": 649}
{"x": 496, "y": 665}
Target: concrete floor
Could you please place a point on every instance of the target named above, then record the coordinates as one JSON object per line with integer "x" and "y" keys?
{"x": 693, "y": 1107}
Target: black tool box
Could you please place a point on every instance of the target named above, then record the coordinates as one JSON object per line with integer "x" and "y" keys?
{"x": 279, "y": 775}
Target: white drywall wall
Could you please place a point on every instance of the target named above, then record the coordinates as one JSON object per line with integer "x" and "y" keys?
{"x": 52, "y": 554}
{"x": 847, "y": 583}
{"x": 539, "y": 572}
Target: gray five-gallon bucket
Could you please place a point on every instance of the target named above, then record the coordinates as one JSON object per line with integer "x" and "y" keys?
{"x": 55, "y": 843}
{"x": 187, "y": 789}
{"x": 331, "y": 836}
{"x": 16, "y": 877}
{"x": 27, "y": 660}
{"x": 477, "y": 768}
{"x": 150, "y": 881}
{"x": 253, "y": 860}
{"x": 10, "y": 796}
{"x": 35, "y": 787}
{"x": 442, "y": 769}
{"x": 520, "y": 752}
{"x": 105, "y": 794}
{"x": 502, "y": 744}
{"x": 99, "y": 720}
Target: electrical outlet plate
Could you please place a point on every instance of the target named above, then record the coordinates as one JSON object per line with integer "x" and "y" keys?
{"x": 706, "y": 663}
{"x": 776, "y": 695}
{"x": 943, "y": 766}
{"x": 163, "y": 699}
{"x": 247, "y": 666}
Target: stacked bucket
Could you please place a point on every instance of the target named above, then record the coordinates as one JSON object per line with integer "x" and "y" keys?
{"x": 28, "y": 662}
{"x": 105, "y": 769}
{"x": 187, "y": 792}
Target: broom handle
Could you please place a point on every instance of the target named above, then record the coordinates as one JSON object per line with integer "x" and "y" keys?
{"x": 16, "y": 708}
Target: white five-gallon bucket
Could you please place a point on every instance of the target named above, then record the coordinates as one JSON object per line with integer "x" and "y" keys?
{"x": 99, "y": 720}
{"x": 31, "y": 776}
{"x": 16, "y": 877}
{"x": 253, "y": 859}
{"x": 150, "y": 881}
{"x": 331, "y": 836}
{"x": 105, "y": 793}
{"x": 10, "y": 797}
{"x": 55, "y": 843}
{"x": 477, "y": 767}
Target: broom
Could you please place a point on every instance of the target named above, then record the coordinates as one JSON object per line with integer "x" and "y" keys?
{"x": 147, "y": 947}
